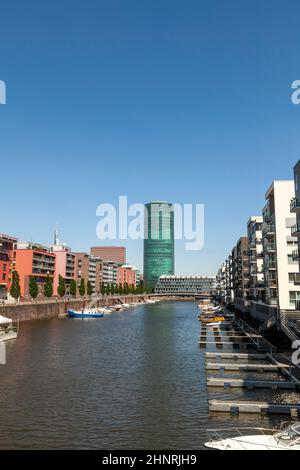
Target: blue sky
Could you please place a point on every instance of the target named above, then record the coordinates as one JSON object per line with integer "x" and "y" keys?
{"x": 185, "y": 101}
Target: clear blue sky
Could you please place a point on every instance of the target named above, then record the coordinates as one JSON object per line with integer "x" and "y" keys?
{"x": 186, "y": 101}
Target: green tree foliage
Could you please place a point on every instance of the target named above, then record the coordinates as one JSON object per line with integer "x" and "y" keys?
{"x": 89, "y": 288}
{"x": 48, "y": 287}
{"x": 102, "y": 289}
{"x": 33, "y": 287}
{"x": 73, "y": 287}
{"x": 15, "y": 289}
{"x": 61, "y": 290}
{"x": 82, "y": 287}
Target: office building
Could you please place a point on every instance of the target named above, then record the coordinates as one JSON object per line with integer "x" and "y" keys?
{"x": 158, "y": 242}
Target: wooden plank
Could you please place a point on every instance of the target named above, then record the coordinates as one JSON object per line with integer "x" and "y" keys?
{"x": 230, "y": 343}
{"x": 229, "y": 406}
{"x": 241, "y": 383}
{"x": 235, "y": 355}
{"x": 235, "y": 366}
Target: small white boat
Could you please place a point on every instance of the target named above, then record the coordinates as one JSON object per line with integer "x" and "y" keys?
{"x": 263, "y": 439}
{"x": 7, "y": 329}
{"x": 106, "y": 311}
{"x": 213, "y": 323}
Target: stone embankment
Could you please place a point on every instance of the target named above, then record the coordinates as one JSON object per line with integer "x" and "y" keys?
{"x": 40, "y": 309}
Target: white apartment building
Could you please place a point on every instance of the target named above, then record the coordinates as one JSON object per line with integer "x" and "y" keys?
{"x": 280, "y": 292}
{"x": 221, "y": 283}
{"x": 256, "y": 262}
{"x": 109, "y": 274}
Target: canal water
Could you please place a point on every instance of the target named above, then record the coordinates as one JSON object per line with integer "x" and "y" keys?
{"x": 132, "y": 380}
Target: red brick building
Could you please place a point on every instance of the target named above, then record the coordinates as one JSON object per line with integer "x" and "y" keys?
{"x": 110, "y": 253}
{"x": 6, "y": 262}
{"x": 126, "y": 275}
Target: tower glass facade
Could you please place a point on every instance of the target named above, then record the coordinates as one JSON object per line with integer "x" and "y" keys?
{"x": 158, "y": 242}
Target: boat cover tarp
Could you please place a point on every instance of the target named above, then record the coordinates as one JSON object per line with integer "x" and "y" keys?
{"x": 4, "y": 320}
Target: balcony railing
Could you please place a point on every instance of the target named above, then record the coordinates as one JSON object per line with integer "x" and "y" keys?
{"x": 268, "y": 230}
{"x": 270, "y": 247}
{"x": 295, "y": 205}
{"x": 270, "y": 265}
{"x": 295, "y": 230}
{"x": 295, "y": 255}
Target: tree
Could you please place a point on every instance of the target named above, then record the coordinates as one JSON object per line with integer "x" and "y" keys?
{"x": 102, "y": 289}
{"x": 15, "y": 289}
{"x": 126, "y": 288}
{"x": 107, "y": 289}
{"x": 33, "y": 287}
{"x": 112, "y": 289}
{"x": 61, "y": 290}
{"x": 48, "y": 287}
{"x": 89, "y": 288}
{"x": 82, "y": 287}
{"x": 73, "y": 287}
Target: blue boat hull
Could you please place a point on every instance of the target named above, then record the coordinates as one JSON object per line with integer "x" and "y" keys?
{"x": 74, "y": 314}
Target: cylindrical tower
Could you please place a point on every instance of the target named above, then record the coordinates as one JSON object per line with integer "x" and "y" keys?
{"x": 158, "y": 242}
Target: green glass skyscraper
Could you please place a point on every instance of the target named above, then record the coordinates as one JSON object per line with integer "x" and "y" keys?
{"x": 158, "y": 242}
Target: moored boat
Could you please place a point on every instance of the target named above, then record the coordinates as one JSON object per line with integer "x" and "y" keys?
{"x": 7, "y": 329}
{"x": 263, "y": 439}
{"x": 85, "y": 314}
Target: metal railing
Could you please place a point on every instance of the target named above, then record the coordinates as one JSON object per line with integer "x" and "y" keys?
{"x": 295, "y": 204}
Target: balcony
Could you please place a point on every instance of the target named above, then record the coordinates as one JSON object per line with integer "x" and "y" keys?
{"x": 295, "y": 230}
{"x": 295, "y": 205}
{"x": 295, "y": 255}
{"x": 268, "y": 230}
{"x": 270, "y": 247}
{"x": 270, "y": 265}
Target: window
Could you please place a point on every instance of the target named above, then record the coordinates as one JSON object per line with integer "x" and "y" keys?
{"x": 290, "y": 259}
{"x": 291, "y": 277}
{"x": 294, "y": 296}
{"x": 3, "y": 277}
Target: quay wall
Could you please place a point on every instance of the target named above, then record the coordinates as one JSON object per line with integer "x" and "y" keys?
{"x": 35, "y": 310}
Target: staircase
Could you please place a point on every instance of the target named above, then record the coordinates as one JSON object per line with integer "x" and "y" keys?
{"x": 290, "y": 324}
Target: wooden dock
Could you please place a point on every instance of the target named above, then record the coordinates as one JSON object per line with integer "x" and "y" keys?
{"x": 244, "y": 367}
{"x": 231, "y": 406}
{"x": 265, "y": 359}
{"x": 236, "y": 356}
{"x": 251, "y": 384}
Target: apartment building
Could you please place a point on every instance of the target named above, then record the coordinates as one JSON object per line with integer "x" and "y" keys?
{"x": 136, "y": 271}
{"x": 221, "y": 283}
{"x": 185, "y": 284}
{"x": 256, "y": 263}
{"x": 90, "y": 269}
{"x": 32, "y": 259}
{"x": 295, "y": 209}
{"x": 64, "y": 266}
{"x": 110, "y": 273}
{"x": 6, "y": 262}
{"x": 281, "y": 292}
{"x": 126, "y": 276}
{"x": 240, "y": 275}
